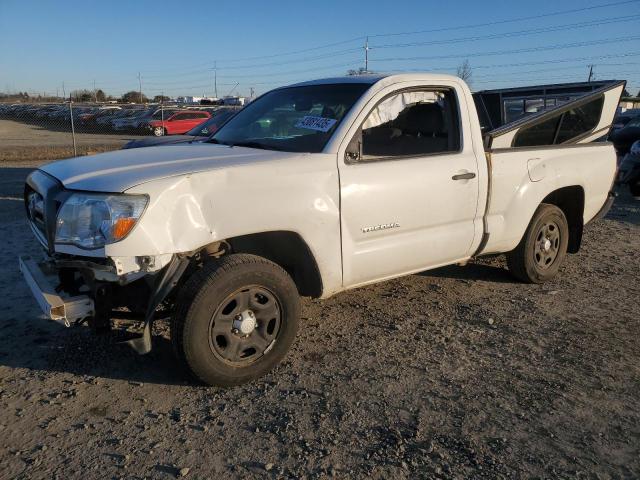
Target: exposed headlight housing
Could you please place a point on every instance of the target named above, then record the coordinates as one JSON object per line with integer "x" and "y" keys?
{"x": 635, "y": 148}
{"x": 90, "y": 220}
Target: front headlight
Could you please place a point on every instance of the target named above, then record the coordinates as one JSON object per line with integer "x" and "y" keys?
{"x": 94, "y": 220}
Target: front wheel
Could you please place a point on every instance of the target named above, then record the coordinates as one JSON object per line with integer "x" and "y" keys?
{"x": 538, "y": 256}
{"x": 158, "y": 131}
{"x": 235, "y": 319}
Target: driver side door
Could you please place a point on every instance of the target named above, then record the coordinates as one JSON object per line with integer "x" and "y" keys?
{"x": 409, "y": 187}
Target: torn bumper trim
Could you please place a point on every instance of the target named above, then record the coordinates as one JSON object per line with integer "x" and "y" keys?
{"x": 63, "y": 310}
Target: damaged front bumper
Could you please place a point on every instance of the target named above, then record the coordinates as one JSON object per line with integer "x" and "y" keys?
{"x": 65, "y": 310}
{"x": 43, "y": 279}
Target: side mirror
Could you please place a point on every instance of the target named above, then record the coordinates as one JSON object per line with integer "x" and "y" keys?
{"x": 353, "y": 152}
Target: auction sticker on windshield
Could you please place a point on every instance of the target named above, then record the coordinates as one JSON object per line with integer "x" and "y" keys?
{"x": 320, "y": 124}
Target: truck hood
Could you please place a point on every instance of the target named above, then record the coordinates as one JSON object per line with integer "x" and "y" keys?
{"x": 121, "y": 170}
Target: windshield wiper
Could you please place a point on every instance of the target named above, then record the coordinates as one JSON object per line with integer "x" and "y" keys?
{"x": 259, "y": 145}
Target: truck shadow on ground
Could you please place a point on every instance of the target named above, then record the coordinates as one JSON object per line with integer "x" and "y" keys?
{"x": 77, "y": 351}
{"x": 472, "y": 271}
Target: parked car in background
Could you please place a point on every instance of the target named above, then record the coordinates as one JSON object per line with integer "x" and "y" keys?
{"x": 196, "y": 134}
{"x": 625, "y": 137}
{"x": 629, "y": 171}
{"x": 89, "y": 119}
{"x": 623, "y": 118}
{"x": 180, "y": 122}
{"x": 139, "y": 121}
{"x": 124, "y": 113}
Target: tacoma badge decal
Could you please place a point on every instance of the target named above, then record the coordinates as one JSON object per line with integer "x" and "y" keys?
{"x": 384, "y": 226}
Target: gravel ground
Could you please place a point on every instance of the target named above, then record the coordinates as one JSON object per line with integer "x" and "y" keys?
{"x": 455, "y": 373}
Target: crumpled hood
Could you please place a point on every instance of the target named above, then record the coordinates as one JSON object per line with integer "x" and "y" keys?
{"x": 122, "y": 169}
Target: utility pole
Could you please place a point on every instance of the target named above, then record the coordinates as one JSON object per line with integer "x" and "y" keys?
{"x": 590, "y": 72}
{"x": 215, "y": 78}
{"x": 162, "y": 107}
{"x": 140, "y": 86}
{"x": 366, "y": 55}
{"x": 95, "y": 94}
{"x": 64, "y": 95}
{"x": 251, "y": 91}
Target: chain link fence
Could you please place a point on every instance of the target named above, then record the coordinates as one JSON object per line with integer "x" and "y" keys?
{"x": 47, "y": 131}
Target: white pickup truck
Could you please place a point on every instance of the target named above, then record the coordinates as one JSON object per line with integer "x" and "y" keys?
{"x": 310, "y": 190}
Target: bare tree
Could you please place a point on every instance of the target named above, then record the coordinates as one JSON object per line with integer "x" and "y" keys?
{"x": 464, "y": 71}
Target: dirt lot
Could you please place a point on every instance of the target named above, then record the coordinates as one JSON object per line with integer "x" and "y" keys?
{"x": 456, "y": 373}
{"x": 24, "y": 141}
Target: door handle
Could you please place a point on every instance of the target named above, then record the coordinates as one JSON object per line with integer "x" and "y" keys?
{"x": 464, "y": 176}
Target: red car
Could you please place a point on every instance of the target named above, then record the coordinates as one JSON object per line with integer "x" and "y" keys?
{"x": 179, "y": 122}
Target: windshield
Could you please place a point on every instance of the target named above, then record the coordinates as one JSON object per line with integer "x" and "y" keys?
{"x": 210, "y": 126}
{"x": 294, "y": 119}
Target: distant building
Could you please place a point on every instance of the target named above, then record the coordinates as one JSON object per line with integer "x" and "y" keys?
{"x": 238, "y": 101}
{"x": 196, "y": 100}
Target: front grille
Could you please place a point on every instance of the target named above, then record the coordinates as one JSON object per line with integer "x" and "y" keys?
{"x": 43, "y": 195}
{"x": 34, "y": 202}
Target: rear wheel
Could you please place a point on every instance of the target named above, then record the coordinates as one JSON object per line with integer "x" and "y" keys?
{"x": 235, "y": 319}
{"x": 540, "y": 253}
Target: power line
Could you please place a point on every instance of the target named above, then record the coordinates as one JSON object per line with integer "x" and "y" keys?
{"x": 291, "y": 72}
{"x": 126, "y": 84}
{"x": 518, "y": 33}
{"x": 524, "y": 64}
{"x": 378, "y": 35}
{"x": 261, "y": 65}
{"x": 275, "y": 55}
{"x": 511, "y": 20}
{"x": 367, "y": 47}
{"x": 508, "y": 52}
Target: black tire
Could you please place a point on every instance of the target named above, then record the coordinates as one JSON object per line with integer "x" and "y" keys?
{"x": 199, "y": 315}
{"x": 530, "y": 261}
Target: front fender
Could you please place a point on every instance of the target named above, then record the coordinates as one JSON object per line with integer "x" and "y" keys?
{"x": 190, "y": 211}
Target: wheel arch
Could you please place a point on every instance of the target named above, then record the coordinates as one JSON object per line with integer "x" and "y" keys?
{"x": 287, "y": 249}
{"x": 570, "y": 200}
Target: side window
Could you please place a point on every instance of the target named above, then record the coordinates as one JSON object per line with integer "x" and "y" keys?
{"x": 533, "y": 105}
{"x": 513, "y": 110}
{"x": 561, "y": 127}
{"x": 540, "y": 134}
{"x": 412, "y": 123}
{"x": 580, "y": 120}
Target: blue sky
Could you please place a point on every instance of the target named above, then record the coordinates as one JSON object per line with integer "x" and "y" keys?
{"x": 175, "y": 44}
